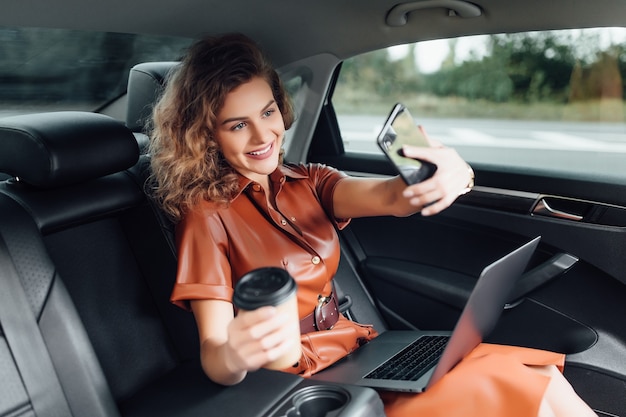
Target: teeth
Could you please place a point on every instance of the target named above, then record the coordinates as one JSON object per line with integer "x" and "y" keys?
{"x": 266, "y": 150}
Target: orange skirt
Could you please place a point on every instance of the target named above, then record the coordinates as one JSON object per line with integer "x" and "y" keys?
{"x": 492, "y": 381}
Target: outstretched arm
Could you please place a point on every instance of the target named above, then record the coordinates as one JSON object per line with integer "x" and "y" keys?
{"x": 362, "y": 197}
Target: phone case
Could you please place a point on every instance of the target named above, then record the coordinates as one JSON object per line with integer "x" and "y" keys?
{"x": 400, "y": 129}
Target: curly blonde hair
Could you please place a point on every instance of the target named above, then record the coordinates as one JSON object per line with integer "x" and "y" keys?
{"x": 186, "y": 160}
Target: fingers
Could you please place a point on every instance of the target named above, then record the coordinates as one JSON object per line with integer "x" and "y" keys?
{"x": 438, "y": 206}
{"x": 422, "y": 194}
{"x": 431, "y": 200}
{"x": 258, "y": 337}
{"x": 442, "y": 189}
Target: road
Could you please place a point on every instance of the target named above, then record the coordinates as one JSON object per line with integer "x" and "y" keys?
{"x": 576, "y": 148}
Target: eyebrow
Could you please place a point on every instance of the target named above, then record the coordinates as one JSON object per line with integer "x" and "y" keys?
{"x": 237, "y": 119}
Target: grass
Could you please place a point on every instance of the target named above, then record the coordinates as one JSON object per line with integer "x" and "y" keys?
{"x": 362, "y": 102}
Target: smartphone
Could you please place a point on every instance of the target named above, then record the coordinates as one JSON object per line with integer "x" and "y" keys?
{"x": 400, "y": 129}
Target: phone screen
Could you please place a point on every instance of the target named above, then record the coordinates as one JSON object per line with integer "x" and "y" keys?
{"x": 400, "y": 129}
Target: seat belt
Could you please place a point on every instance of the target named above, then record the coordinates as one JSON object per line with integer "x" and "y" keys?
{"x": 26, "y": 343}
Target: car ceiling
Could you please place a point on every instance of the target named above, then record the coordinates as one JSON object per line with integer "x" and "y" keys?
{"x": 291, "y": 29}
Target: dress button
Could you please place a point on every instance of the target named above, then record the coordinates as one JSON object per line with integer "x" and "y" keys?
{"x": 315, "y": 260}
{"x": 283, "y": 222}
{"x": 256, "y": 187}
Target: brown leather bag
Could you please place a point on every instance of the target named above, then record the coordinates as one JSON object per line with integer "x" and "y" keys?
{"x": 322, "y": 348}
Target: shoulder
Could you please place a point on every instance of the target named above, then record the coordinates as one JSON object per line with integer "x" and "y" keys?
{"x": 313, "y": 171}
{"x": 202, "y": 213}
{"x": 205, "y": 208}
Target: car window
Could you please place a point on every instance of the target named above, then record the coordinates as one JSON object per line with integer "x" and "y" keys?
{"x": 537, "y": 100}
{"x": 54, "y": 69}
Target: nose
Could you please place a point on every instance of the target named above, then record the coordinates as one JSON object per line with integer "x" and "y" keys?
{"x": 264, "y": 133}
{"x": 260, "y": 134}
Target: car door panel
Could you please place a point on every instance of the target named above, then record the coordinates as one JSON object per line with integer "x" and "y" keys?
{"x": 424, "y": 284}
{"x": 420, "y": 270}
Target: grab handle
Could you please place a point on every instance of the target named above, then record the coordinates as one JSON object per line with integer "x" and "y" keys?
{"x": 540, "y": 275}
{"x": 544, "y": 209}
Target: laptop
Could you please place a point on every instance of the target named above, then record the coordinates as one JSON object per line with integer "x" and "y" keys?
{"x": 414, "y": 360}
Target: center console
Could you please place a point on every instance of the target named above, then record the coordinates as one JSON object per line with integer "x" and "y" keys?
{"x": 319, "y": 399}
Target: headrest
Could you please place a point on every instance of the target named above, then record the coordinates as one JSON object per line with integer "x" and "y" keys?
{"x": 145, "y": 83}
{"x": 54, "y": 149}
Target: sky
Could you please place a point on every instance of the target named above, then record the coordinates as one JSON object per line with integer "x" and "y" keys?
{"x": 430, "y": 54}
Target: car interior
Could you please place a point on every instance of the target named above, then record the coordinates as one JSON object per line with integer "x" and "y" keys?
{"x": 88, "y": 260}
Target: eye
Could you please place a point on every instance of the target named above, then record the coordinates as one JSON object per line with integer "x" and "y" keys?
{"x": 238, "y": 126}
{"x": 268, "y": 112}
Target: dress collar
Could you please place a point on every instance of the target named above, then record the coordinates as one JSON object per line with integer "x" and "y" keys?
{"x": 279, "y": 176}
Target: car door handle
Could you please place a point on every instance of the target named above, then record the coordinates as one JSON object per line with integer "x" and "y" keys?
{"x": 540, "y": 275}
{"x": 543, "y": 208}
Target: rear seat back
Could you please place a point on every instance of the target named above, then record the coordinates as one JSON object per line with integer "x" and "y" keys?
{"x": 58, "y": 158}
{"x": 145, "y": 84}
{"x": 78, "y": 220}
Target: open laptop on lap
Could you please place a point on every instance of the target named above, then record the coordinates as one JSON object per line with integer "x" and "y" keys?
{"x": 390, "y": 361}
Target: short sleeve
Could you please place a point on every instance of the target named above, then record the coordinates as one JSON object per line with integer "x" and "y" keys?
{"x": 204, "y": 270}
{"x": 325, "y": 180}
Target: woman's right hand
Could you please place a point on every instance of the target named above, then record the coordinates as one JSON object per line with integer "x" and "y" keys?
{"x": 233, "y": 345}
{"x": 256, "y": 338}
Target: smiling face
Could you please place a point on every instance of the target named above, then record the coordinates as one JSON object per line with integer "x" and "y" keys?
{"x": 250, "y": 130}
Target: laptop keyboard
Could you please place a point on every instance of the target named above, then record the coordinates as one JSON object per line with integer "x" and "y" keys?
{"x": 413, "y": 361}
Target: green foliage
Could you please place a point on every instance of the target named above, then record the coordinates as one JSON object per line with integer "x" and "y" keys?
{"x": 472, "y": 80}
{"x": 542, "y": 67}
{"x": 381, "y": 75}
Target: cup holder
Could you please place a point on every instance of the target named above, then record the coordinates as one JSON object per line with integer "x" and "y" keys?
{"x": 318, "y": 401}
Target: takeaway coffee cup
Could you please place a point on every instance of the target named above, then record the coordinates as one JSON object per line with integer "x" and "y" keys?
{"x": 275, "y": 287}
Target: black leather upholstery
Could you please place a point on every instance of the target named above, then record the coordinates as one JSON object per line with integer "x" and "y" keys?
{"x": 145, "y": 84}
{"x": 54, "y": 149}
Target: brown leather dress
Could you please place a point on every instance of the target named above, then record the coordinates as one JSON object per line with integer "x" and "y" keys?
{"x": 217, "y": 245}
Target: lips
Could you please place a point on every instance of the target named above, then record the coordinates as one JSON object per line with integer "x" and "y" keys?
{"x": 262, "y": 153}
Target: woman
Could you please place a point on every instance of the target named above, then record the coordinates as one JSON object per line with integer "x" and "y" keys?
{"x": 218, "y": 171}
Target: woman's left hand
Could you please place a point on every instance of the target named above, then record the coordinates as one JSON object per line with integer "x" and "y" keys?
{"x": 451, "y": 179}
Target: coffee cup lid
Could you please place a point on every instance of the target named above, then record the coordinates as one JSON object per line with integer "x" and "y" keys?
{"x": 263, "y": 286}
